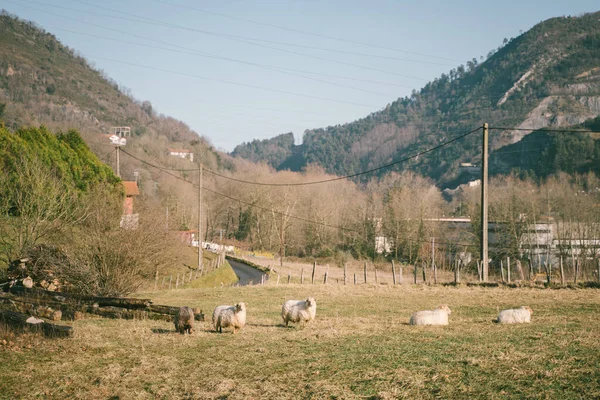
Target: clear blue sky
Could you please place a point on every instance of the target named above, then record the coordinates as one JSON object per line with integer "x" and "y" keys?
{"x": 410, "y": 43}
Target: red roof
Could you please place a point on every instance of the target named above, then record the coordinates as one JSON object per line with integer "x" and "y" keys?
{"x": 131, "y": 188}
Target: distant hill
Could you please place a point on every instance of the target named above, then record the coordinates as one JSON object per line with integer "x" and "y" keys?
{"x": 43, "y": 82}
{"x": 548, "y": 76}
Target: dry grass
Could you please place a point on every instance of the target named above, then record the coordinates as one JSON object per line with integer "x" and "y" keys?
{"x": 360, "y": 346}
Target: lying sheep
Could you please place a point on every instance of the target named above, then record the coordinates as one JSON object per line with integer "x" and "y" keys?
{"x": 439, "y": 316}
{"x": 515, "y": 316}
{"x": 299, "y": 310}
{"x": 225, "y": 316}
{"x": 184, "y": 320}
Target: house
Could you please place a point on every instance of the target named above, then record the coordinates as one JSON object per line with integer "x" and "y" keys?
{"x": 129, "y": 220}
{"x": 182, "y": 153}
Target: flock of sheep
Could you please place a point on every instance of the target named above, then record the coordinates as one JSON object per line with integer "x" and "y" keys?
{"x": 305, "y": 311}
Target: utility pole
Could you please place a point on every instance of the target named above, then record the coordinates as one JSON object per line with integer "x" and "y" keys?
{"x": 200, "y": 266}
{"x": 484, "y": 204}
{"x": 118, "y": 148}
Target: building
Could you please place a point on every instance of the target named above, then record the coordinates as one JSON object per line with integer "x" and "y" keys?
{"x": 129, "y": 220}
{"x": 182, "y": 153}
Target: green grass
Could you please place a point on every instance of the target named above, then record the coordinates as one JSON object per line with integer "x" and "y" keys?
{"x": 222, "y": 276}
{"x": 360, "y": 346}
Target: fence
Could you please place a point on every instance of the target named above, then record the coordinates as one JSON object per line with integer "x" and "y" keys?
{"x": 506, "y": 271}
{"x": 179, "y": 280}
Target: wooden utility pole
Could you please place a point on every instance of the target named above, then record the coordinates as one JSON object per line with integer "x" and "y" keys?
{"x": 484, "y": 204}
{"x": 433, "y": 266}
{"x": 118, "y": 148}
{"x": 200, "y": 266}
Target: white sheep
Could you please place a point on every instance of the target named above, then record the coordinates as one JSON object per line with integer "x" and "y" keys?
{"x": 226, "y": 316}
{"x": 515, "y": 316}
{"x": 299, "y": 310}
{"x": 439, "y": 316}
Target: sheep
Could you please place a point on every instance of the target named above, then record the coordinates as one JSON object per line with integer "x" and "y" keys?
{"x": 515, "y": 316}
{"x": 225, "y": 316}
{"x": 299, "y": 310}
{"x": 439, "y": 316}
{"x": 184, "y": 320}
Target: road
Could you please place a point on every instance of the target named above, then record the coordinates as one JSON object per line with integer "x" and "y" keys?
{"x": 245, "y": 273}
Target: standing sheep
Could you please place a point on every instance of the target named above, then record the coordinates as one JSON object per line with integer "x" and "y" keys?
{"x": 225, "y": 316}
{"x": 184, "y": 320}
{"x": 515, "y": 316}
{"x": 439, "y": 316}
{"x": 299, "y": 310}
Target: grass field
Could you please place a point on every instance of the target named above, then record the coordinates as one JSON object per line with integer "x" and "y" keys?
{"x": 360, "y": 346}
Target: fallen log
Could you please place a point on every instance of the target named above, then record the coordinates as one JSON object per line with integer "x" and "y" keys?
{"x": 33, "y": 324}
{"x": 101, "y": 301}
{"x": 40, "y": 307}
{"x": 172, "y": 310}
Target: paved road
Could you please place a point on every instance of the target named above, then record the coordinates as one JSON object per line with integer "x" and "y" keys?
{"x": 245, "y": 273}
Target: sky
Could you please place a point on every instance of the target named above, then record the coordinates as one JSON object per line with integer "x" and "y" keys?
{"x": 236, "y": 71}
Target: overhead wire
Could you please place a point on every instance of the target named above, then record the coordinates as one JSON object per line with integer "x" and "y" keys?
{"x": 250, "y": 204}
{"x": 207, "y": 55}
{"x": 201, "y": 53}
{"x": 307, "y": 32}
{"x": 231, "y": 82}
{"x": 350, "y": 175}
{"x": 237, "y": 38}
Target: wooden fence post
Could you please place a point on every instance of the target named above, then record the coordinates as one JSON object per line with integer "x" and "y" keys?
{"x": 177, "y": 282}
{"x": 313, "y": 272}
{"x": 424, "y": 271}
{"x": 479, "y": 270}
{"x": 355, "y": 278}
{"x": 400, "y": 275}
{"x": 170, "y": 282}
{"x": 520, "y": 269}
{"x": 326, "y": 273}
{"x": 365, "y": 270}
{"x": 502, "y": 270}
{"x": 289, "y": 278}
{"x": 576, "y": 270}
{"x": 415, "y": 273}
{"x": 162, "y": 285}
{"x": 549, "y": 272}
{"x": 344, "y": 273}
{"x": 393, "y": 273}
{"x": 456, "y": 271}
{"x": 508, "y": 269}
{"x": 562, "y": 272}
{"x": 277, "y": 284}
{"x": 189, "y": 280}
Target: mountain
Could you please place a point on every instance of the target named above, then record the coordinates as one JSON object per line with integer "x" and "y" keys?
{"x": 43, "y": 82}
{"x": 546, "y": 77}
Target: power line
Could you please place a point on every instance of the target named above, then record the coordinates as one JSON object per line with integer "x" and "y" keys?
{"x": 311, "y": 33}
{"x": 249, "y": 204}
{"x": 233, "y": 82}
{"x": 351, "y": 175}
{"x": 207, "y": 55}
{"x": 200, "y": 53}
{"x": 320, "y": 181}
{"x": 543, "y": 130}
{"x": 241, "y": 39}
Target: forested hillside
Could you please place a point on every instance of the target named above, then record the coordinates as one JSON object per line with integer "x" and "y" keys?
{"x": 548, "y": 76}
